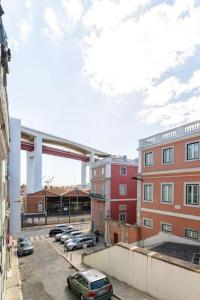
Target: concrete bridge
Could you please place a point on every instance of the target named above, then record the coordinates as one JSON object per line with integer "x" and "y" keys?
{"x": 37, "y": 143}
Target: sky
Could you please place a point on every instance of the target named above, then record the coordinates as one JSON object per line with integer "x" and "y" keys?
{"x": 103, "y": 73}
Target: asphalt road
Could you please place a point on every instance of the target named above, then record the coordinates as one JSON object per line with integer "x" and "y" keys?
{"x": 44, "y": 273}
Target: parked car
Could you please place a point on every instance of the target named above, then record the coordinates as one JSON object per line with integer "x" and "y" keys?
{"x": 74, "y": 234}
{"x": 56, "y": 230}
{"x": 24, "y": 248}
{"x": 59, "y": 235}
{"x": 22, "y": 239}
{"x": 76, "y": 237}
{"x": 90, "y": 285}
{"x": 64, "y": 226}
{"x": 78, "y": 243}
{"x": 66, "y": 235}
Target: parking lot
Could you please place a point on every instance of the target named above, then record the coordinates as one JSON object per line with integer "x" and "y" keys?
{"x": 43, "y": 273}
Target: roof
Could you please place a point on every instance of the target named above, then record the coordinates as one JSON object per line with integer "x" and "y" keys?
{"x": 181, "y": 251}
{"x": 29, "y": 134}
{"x": 59, "y": 191}
{"x": 93, "y": 275}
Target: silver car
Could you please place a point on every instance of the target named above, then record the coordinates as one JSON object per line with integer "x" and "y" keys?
{"x": 66, "y": 235}
{"x": 90, "y": 285}
{"x": 79, "y": 242}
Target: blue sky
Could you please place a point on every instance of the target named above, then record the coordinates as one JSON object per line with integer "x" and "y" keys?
{"x": 102, "y": 73}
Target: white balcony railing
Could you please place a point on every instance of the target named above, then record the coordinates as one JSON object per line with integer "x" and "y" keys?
{"x": 179, "y": 132}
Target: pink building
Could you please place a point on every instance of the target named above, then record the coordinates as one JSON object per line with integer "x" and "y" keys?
{"x": 114, "y": 192}
{"x": 169, "y": 186}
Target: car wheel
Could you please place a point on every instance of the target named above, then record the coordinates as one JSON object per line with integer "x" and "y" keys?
{"x": 69, "y": 286}
{"x": 91, "y": 245}
{"x": 74, "y": 248}
{"x": 19, "y": 253}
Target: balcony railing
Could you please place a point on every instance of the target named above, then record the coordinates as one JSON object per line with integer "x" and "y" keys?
{"x": 179, "y": 132}
{"x": 97, "y": 196}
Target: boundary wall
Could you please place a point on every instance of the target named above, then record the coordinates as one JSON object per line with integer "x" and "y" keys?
{"x": 162, "y": 277}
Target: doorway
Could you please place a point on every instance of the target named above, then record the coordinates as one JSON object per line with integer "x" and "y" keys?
{"x": 115, "y": 238}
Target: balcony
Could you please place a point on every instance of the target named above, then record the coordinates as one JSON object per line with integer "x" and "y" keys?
{"x": 170, "y": 135}
{"x": 97, "y": 196}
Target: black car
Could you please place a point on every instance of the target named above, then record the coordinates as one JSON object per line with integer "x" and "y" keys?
{"x": 24, "y": 248}
{"x": 22, "y": 239}
{"x": 56, "y": 230}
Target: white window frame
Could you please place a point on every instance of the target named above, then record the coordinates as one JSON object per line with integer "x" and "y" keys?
{"x": 122, "y": 207}
{"x": 168, "y": 224}
{"x": 120, "y": 186}
{"x": 167, "y": 183}
{"x": 193, "y": 230}
{"x": 151, "y": 221}
{"x": 125, "y": 171}
{"x": 186, "y": 152}
{"x": 185, "y": 193}
{"x": 151, "y": 159}
{"x": 102, "y": 171}
{"x": 164, "y": 149}
{"x": 151, "y": 184}
{"x": 94, "y": 173}
{"x": 124, "y": 214}
{"x": 94, "y": 188}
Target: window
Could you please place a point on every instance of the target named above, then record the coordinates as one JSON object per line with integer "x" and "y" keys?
{"x": 102, "y": 171}
{"x": 40, "y": 206}
{"x": 122, "y": 189}
{"x": 192, "y": 194}
{"x": 148, "y": 223}
{"x": 192, "y": 234}
{"x": 166, "y": 227}
{"x": 122, "y": 217}
{"x": 100, "y": 217}
{"x": 83, "y": 281}
{"x": 148, "y": 159}
{"x": 94, "y": 172}
{"x": 148, "y": 188}
{"x": 94, "y": 188}
{"x": 122, "y": 207}
{"x": 123, "y": 170}
{"x": 103, "y": 189}
{"x": 167, "y": 192}
{"x": 168, "y": 155}
{"x": 193, "y": 151}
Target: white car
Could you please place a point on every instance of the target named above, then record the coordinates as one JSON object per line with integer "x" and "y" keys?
{"x": 58, "y": 236}
{"x": 79, "y": 242}
{"x": 66, "y": 235}
{"x": 73, "y": 235}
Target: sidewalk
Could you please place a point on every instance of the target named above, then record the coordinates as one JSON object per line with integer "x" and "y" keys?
{"x": 13, "y": 283}
{"x": 122, "y": 291}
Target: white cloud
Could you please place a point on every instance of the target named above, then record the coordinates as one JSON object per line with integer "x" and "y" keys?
{"x": 173, "y": 113}
{"x": 28, "y": 4}
{"x": 25, "y": 28}
{"x": 73, "y": 11}
{"x": 129, "y": 48}
{"x": 53, "y": 28}
{"x": 13, "y": 44}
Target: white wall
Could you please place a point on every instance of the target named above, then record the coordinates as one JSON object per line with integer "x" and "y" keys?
{"x": 14, "y": 176}
{"x": 159, "y": 276}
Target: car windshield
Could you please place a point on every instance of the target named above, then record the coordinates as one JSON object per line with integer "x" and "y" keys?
{"x": 23, "y": 245}
{"x": 99, "y": 283}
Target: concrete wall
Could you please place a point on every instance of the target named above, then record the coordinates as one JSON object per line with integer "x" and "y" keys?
{"x": 14, "y": 176}
{"x": 160, "y": 276}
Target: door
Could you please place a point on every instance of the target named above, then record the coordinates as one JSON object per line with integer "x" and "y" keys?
{"x": 115, "y": 238}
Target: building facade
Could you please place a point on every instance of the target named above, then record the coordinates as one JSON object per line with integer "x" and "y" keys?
{"x": 113, "y": 191}
{"x": 4, "y": 148}
{"x": 169, "y": 185}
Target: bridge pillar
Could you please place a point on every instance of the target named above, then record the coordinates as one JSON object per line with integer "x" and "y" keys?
{"x": 34, "y": 167}
{"x": 83, "y": 174}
